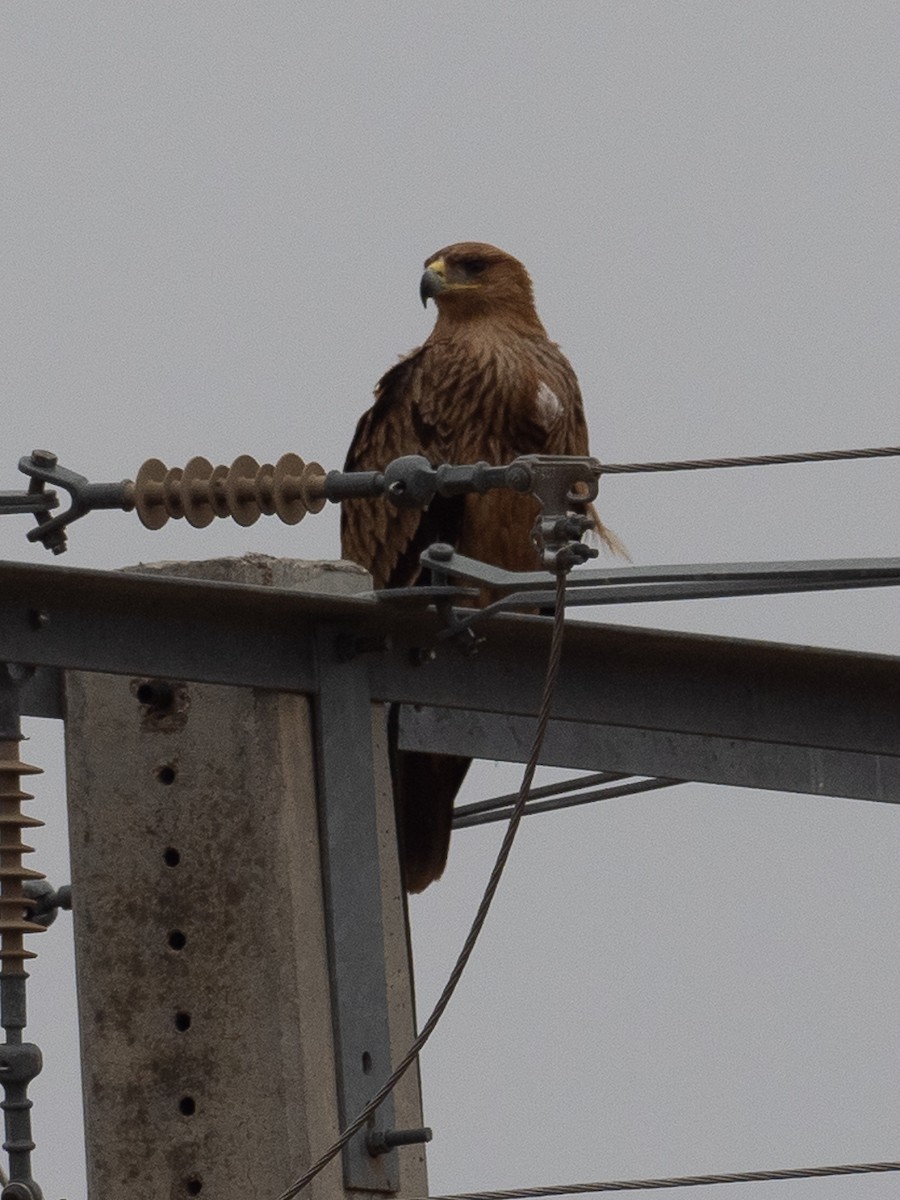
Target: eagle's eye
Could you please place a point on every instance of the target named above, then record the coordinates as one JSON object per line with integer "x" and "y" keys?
{"x": 474, "y": 266}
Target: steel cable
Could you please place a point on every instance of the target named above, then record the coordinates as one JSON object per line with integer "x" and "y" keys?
{"x": 478, "y": 921}
{"x": 754, "y": 460}
{"x": 636, "y": 1185}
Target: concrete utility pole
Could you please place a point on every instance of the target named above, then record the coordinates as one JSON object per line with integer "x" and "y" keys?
{"x": 206, "y": 982}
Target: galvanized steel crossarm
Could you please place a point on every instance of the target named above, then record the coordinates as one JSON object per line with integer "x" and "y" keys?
{"x": 263, "y": 637}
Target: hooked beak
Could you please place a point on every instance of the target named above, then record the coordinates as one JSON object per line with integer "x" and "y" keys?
{"x": 433, "y": 281}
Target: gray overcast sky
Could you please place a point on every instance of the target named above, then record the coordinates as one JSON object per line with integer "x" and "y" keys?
{"x": 214, "y": 217}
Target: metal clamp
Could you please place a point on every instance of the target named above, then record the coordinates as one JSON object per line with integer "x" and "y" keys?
{"x": 46, "y": 900}
{"x": 22, "y": 1191}
{"x": 42, "y": 468}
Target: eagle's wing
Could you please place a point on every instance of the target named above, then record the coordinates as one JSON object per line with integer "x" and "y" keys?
{"x": 387, "y": 541}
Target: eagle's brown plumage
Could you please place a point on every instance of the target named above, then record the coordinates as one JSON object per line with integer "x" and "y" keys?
{"x": 488, "y": 384}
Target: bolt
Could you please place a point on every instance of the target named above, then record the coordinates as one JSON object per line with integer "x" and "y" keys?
{"x": 518, "y": 478}
{"x": 38, "y": 619}
{"x": 43, "y": 458}
{"x": 441, "y": 552}
{"x": 380, "y": 1141}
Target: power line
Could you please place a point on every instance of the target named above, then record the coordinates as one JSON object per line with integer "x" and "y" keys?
{"x": 636, "y": 1185}
{"x": 755, "y": 460}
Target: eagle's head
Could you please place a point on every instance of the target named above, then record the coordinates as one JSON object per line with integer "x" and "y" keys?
{"x": 473, "y": 279}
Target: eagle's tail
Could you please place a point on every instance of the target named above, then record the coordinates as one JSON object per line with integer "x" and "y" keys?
{"x": 425, "y": 786}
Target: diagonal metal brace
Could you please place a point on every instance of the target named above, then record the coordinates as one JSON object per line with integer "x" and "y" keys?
{"x": 640, "y": 585}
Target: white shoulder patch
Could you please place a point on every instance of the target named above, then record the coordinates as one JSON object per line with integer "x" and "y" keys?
{"x": 549, "y": 406}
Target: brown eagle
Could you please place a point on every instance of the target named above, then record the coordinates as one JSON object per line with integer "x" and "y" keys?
{"x": 488, "y": 384}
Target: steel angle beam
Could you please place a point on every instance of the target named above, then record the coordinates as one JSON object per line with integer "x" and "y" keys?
{"x": 673, "y": 683}
{"x": 616, "y": 676}
{"x": 738, "y": 762}
{"x": 345, "y": 769}
{"x": 131, "y": 624}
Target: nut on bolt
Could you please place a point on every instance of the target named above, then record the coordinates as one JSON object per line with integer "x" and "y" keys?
{"x": 518, "y": 477}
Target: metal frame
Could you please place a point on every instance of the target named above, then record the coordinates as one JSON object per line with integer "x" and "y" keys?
{"x": 637, "y": 701}
{"x": 630, "y": 701}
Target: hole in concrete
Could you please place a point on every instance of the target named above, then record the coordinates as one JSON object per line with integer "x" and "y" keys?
{"x": 177, "y": 939}
{"x": 187, "y": 1106}
{"x": 171, "y": 856}
{"x": 158, "y": 693}
{"x": 194, "y": 1185}
{"x": 182, "y": 1021}
{"x": 166, "y": 774}
{"x": 367, "y": 1063}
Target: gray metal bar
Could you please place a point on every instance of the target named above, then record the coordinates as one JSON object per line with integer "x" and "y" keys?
{"x": 563, "y": 788}
{"x": 567, "y": 799}
{"x": 642, "y": 585}
{"x": 679, "y": 685}
{"x": 131, "y": 624}
{"x": 653, "y": 592}
{"x": 353, "y": 904}
{"x": 734, "y": 761}
{"x": 824, "y": 570}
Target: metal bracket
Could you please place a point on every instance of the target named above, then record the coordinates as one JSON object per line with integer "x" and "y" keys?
{"x": 640, "y": 585}
{"x": 560, "y": 484}
{"x": 353, "y": 905}
{"x": 45, "y": 901}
